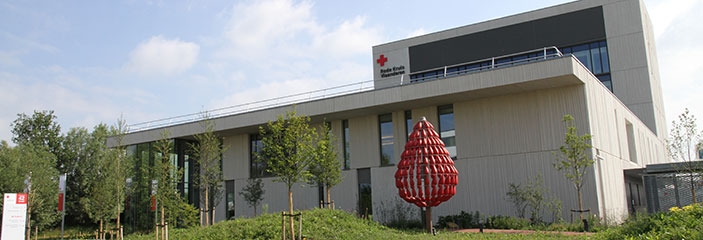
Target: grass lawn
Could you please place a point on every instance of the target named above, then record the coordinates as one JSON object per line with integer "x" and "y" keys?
{"x": 331, "y": 224}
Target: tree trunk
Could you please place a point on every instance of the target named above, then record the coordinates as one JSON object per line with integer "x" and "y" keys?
{"x": 578, "y": 193}
{"x": 290, "y": 211}
{"x": 163, "y": 221}
{"x": 207, "y": 205}
{"x": 100, "y": 230}
{"x": 428, "y": 219}
{"x": 117, "y": 186}
{"x": 329, "y": 198}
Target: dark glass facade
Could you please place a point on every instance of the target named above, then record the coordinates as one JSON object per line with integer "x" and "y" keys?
{"x": 137, "y": 215}
{"x": 593, "y": 56}
{"x": 459, "y": 69}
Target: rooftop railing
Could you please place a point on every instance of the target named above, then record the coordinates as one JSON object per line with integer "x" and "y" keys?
{"x": 486, "y": 64}
{"x": 495, "y": 62}
{"x": 255, "y": 106}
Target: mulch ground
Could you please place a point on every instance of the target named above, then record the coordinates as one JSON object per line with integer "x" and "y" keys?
{"x": 476, "y": 230}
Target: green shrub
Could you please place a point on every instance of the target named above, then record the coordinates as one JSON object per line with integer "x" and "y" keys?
{"x": 506, "y": 222}
{"x": 678, "y": 223}
{"x": 463, "y": 220}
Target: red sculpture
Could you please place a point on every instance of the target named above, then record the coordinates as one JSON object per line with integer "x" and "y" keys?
{"x": 426, "y": 175}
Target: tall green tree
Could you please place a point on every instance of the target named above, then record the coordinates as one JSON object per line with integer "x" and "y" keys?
{"x": 253, "y": 193}
{"x": 100, "y": 168}
{"x": 682, "y": 145}
{"x": 79, "y": 151}
{"x": 40, "y": 129}
{"x": 208, "y": 151}
{"x": 10, "y": 176}
{"x": 36, "y": 165}
{"x": 174, "y": 208}
{"x": 326, "y": 169}
{"x": 122, "y": 163}
{"x": 288, "y": 150}
{"x": 573, "y": 159}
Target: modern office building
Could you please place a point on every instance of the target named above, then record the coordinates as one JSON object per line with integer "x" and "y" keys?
{"x": 496, "y": 91}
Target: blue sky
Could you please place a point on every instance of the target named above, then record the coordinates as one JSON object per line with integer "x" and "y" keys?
{"x": 94, "y": 61}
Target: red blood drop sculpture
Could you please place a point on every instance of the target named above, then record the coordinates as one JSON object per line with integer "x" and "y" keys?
{"x": 426, "y": 175}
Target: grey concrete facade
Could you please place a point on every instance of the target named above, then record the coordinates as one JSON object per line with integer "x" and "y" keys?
{"x": 507, "y": 123}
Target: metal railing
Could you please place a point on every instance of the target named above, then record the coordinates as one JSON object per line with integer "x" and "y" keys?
{"x": 338, "y": 91}
{"x": 255, "y": 106}
{"x": 492, "y": 63}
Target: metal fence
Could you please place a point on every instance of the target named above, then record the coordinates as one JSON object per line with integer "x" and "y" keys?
{"x": 665, "y": 191}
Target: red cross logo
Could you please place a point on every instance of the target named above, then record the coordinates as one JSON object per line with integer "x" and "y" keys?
{"x": 382, "y": 60}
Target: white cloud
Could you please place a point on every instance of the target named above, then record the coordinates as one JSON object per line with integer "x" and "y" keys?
{"x": 258, "y": 26}
{"x": 278, "y": 48}
{"x": 163, "y": 57}
{"x": 75, "y": 102}
{"x": 348, "y": 39}
{"x": 269, "y": 95}
{"x": 288, "y": 32}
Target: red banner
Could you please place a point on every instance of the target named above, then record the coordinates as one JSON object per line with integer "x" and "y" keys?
{"x": 61, "y": 196}
{"x": 153, "y": 203}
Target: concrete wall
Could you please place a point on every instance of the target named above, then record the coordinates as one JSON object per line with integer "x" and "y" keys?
{"x": 620, "y": 141}
{"x": 633, "y": 65}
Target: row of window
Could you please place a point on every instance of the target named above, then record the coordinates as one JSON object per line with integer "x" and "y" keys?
{"x": 387, "y": 141}
{"x": 593, "y": 55}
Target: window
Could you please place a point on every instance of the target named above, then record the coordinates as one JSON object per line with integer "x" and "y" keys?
{"x": 186, "y": 184}
{"x": 345, "y": 139}
{"x": 365, "y": 199}
{"x": 446, "y": 128}
{"x": 229, "y": 188}
{"x": 595, "y": 57}
{"x": 385, "y": 125}
{"x": 631, "y": 141}
{"x": 408, "y": 124}
{"x": 257, "y": 169}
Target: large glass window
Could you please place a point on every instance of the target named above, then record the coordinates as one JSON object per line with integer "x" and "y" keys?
{"x": 595, "y": 57}
{"x": 345, "y": 139}
{"x": 408, "y": 124}
{"x": 229, "y": 188}
{"x": 385, "y": 125}
{"x": 365, "y": 198}
{"x": 258, "y": 168}
{"x": 446, "y": 128}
